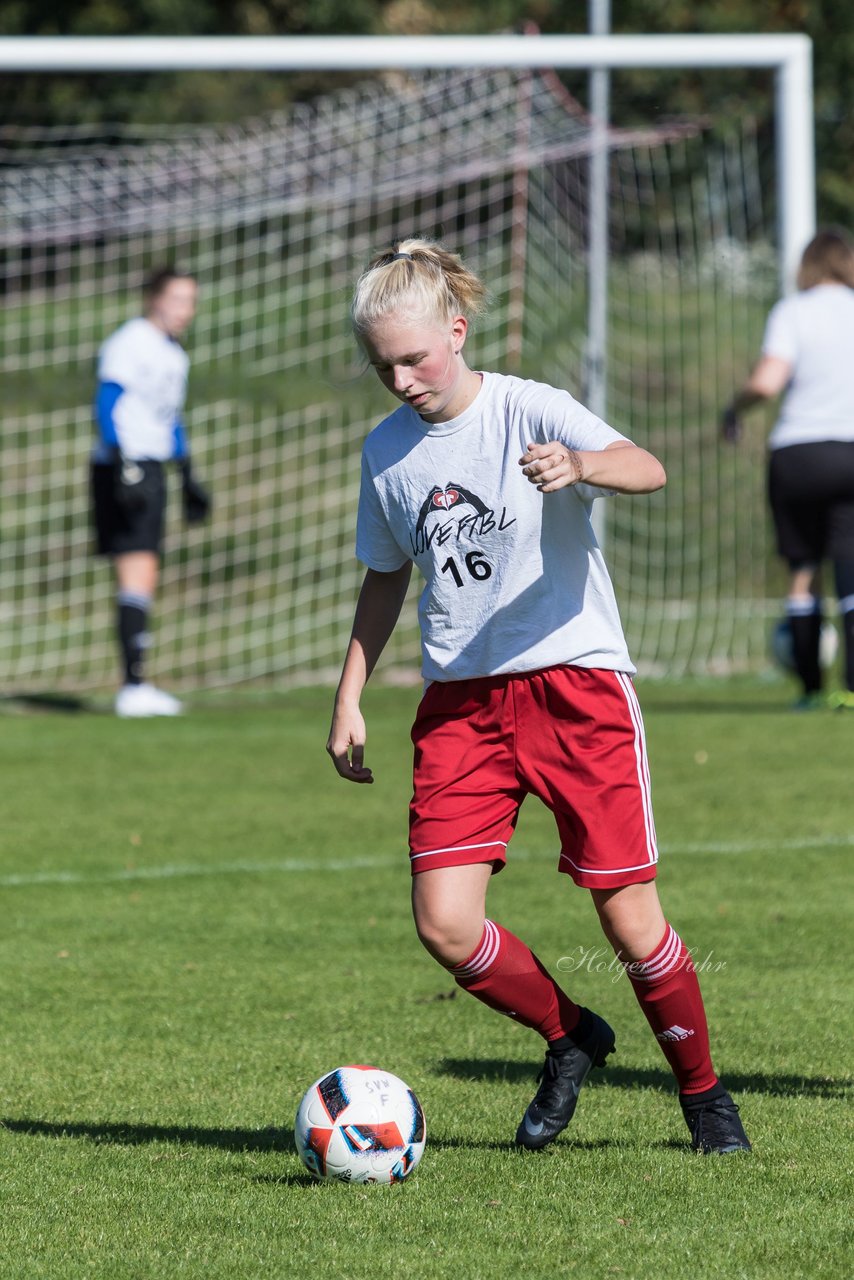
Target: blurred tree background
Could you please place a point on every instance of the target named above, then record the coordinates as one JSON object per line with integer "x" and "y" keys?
{"x": 639, "y": 97}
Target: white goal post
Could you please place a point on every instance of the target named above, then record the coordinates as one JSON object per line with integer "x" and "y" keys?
{"x": 789, "y": 56}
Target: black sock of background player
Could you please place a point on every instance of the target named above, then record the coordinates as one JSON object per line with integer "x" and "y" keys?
{"x": 132, "y": 626}
{"x": 848, "y": 635}
{"x": 844, "y": 574}
{"x": 805, "y": 624}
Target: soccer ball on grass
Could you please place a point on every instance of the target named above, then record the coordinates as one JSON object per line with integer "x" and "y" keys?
{"x": 360, "y": 1124}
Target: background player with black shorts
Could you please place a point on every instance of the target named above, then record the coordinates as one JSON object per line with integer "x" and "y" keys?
{"x": 808, "y": 351}
{"x": 142, "y": 384}
{"x": 486, "y": 483}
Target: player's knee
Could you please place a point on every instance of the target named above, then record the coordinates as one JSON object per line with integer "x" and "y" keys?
{"x": 631, "y": 918}
{"x": 446, "y": 936}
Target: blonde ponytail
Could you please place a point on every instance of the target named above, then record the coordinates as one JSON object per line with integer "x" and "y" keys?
{"x": 419, "y": 279}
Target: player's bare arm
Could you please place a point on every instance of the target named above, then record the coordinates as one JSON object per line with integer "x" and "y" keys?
{"x": 380, "y": 602}
{"x": 621, "y": 466}
{"x": 769, "y": 377}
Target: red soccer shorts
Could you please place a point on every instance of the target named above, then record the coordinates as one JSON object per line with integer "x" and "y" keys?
{"x": 571, "y": 735}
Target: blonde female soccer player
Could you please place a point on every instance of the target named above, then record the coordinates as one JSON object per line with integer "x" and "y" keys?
{"x": 142, "y": 382}
{"x": 485, "y": 482}
{"x": 808, "y": 353}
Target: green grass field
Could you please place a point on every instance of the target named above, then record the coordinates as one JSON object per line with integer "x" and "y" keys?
{"x": 200, "y": 918}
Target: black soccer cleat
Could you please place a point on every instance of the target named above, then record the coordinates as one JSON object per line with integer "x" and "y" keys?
{"x": 716, "y": 1129}
{"x": 561, "y": 1078}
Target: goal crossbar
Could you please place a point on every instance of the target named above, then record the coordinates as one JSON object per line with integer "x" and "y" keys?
{"x": 342, "y": 53}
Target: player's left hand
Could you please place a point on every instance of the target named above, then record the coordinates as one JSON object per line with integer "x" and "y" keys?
{"x": 196, "y": 500}
{"x": 730, "y": 425}
{"x": 551, "y": 466}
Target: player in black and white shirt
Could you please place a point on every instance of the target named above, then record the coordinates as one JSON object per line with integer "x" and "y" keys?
{"x": 142, "y": 384}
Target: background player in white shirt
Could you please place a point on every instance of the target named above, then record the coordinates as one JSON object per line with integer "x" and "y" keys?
{"x": 142, "y": 383}
{"x": 486, "y": 482}
{"x": 808, "y": 352}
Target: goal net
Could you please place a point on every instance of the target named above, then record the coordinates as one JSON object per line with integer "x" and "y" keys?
{"x": 276, "y": 217}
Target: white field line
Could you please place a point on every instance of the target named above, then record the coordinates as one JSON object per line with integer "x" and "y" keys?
{"x": 286, "y": 866}
{"x": 766, "y": 846}
{"x": 187, "y": 870}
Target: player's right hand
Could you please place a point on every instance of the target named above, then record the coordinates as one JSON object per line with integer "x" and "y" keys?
{"x": 346, "y": 744}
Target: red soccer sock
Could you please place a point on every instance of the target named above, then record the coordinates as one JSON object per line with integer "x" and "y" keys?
{"x": 669, "y": 994}
{"x": 507, "y": 976}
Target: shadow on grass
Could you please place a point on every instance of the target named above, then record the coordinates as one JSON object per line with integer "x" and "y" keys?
{"x": 132, "y": 1135}
{"x": 446, "y": 1142}
{"x": 126, "y": 1135}
{"x": 777, "y": 1086}
{"x": 58, "y": 703}
{"x": 300, "y": 1179}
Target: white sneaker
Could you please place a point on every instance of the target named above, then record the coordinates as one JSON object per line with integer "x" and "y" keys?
{"x": 134, "y": 700}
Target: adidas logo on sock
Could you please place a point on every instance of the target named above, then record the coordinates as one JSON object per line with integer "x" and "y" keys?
{"x": 674, "y": 1033}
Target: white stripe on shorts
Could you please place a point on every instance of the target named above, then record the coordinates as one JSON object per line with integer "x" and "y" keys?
{"x": 597, "y": 871}
{"x": 628, "y": 688}
{"x": 459, "y": 848}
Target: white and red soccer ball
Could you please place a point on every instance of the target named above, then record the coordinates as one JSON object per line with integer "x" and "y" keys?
{"x": 360, "y": 1124}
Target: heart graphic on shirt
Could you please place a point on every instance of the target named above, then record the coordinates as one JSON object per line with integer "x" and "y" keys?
{"x": 447, "y": 499}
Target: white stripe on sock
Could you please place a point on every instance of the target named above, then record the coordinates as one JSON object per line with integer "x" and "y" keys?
{"x": 802, "y": 606}
{"x": 660, "y": 965}
{"x": 134, "y": 598}
{"x": 485, "y": 956}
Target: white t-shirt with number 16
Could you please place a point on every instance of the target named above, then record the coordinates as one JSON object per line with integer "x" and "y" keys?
{"x": 514, "y": 579}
